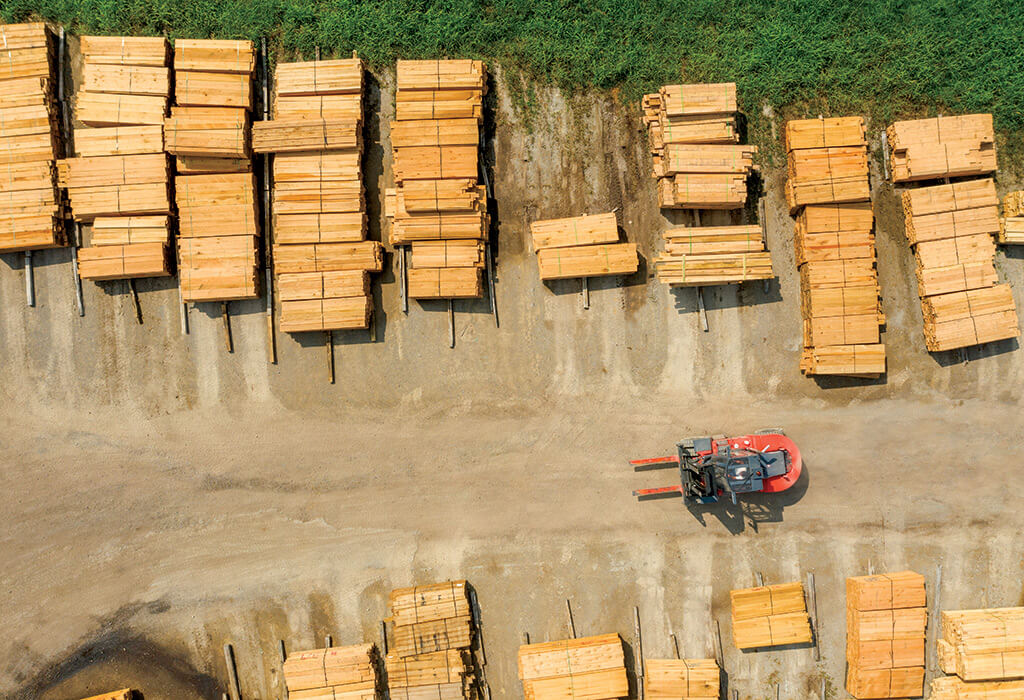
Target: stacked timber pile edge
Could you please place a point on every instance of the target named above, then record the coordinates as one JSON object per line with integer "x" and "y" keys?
{"x": 208, "y": 132}
{"x": 697, "y": 256}
{"x": 588, "y": 667}
{"x": 322, "y": 259}
{"x": 433, "y": 633}
{"x": 982, "y": 645}
{"x": 438, "y": 206}
{"x": 1011, "y": 225}
{"x": 886, "y": 616}
{"x": 698, "y": 161}
{"x": 928, "y": 149}
{"x": 681, "y": 679}
{"x": 950, "y": 229}
{"x": 582, "y": 246}
{"x": 119, "y": 181}
{"x": 31, "y": 207}
{"x": 768, "y": 616}
{"x": 336, "y": 672}
{"x": 828, "y": 192}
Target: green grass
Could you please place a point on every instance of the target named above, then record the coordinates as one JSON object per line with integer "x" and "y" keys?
{"x": 883, "y": 58}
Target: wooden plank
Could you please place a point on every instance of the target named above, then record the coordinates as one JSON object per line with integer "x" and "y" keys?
{"x": 574, "y": 231}
{"x": 216, "y": 55}
{"x": 587, "y": 261}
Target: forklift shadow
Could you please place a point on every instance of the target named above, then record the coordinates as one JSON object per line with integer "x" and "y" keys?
{"x": 753, "y": 509}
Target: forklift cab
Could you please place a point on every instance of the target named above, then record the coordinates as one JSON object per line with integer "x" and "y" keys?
{"x": 740, "y": 470}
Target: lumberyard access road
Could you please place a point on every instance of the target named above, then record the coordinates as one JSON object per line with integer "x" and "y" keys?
{"x": 160, "y": 497}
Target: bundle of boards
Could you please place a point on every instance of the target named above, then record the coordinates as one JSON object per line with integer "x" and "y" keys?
{"x": 208, "y": 132}
{"x": 582, "y": 246}
{"x": 438, "y": 206}
{"x": 119, "y": 180}
{"x": 591, "y": 668}
{"x": 31, "y": 208}
{"x": 926, "y": 149}
{"x": 335, "y": 673}
{"x": 885, "y": 633}
{"x": 982, "y": 645}
{"x": 430, "y": 657}
{"x": 321, "y": 256}
{"x": 950, "y": 229}
{"x": 698, "y": 161}
{"x": 1011, "y": 225}
{"x": 681, "y": 679}
{"x": 698, "y": 256}
{"x": 769, "y": 616}
{"x": 828, "y": 193}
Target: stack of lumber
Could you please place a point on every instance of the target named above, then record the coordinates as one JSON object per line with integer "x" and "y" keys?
{"x": 828, "y": 193}
{"x": 1011, "y": 226}
{"x": 430, "y": 655}
{"x": 582, "y": 246}
{"x": 438, "y": 206}
{"x": 329, "y": 674}
{"x": 926, "y": 149}
{"x": 885, "y": 632}
{"x": 680, "y": 679}
{"x": 697, "y": 159}
{"x": 322, "y": 258}
{"x": 589, "y": 668}
{"x": 31, "y": 209}
{"x": 950, "y": 229}
{"x": 982, "y": 645}
{"x": 208, "y": 132}
{"x": 120, "y": 177}
{"x": 952, "y": 688}
{"x": 769, "y": 616}
{"x": 708, "y": 255}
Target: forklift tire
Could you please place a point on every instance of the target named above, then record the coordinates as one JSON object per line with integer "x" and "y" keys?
{"x": 770, "y": 431}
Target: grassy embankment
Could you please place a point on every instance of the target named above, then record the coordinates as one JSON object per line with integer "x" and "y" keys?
{"x": 883, "y": 58}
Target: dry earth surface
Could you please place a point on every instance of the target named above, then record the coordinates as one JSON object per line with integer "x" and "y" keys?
{"x": 160, "y": 497}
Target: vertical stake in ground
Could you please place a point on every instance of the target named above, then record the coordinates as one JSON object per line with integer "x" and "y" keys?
{"x": 183, "y": 307}
{"x": 933, "y": 624}
{"x": 812, "y": 607}
{"x": 30, "y": 282}
{"x": 675, "y": 644}
{"x": 329, "y": 344}
{"x": 478, "y": 624}
{"x": 135, "y": 299}
{"x": 639, "y": 653}
{"x": 229, "y": 661}
{"x": 328, "y": 642}
{"x": 585, "y": 291}
{"x": 268, "y": 255}
{"x": 761, "y": 218}
{"x": 700, "y": 290}
{"x": 489, "y": 264}
{"x": 451, "y": 324}
{"x": 284, "y": 657}
{"x": 568, "y": 613}
{"x": 226, "y": 317}
{"x": 885, "y": 154}
{"x": 65, "y": 127}
{"x": 403, "y": 279}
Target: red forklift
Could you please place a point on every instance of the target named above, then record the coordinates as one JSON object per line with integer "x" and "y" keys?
{"x": 711, "y": 467}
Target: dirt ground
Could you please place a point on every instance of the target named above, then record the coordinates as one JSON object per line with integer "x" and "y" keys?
{"x": 160, "y": 497}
